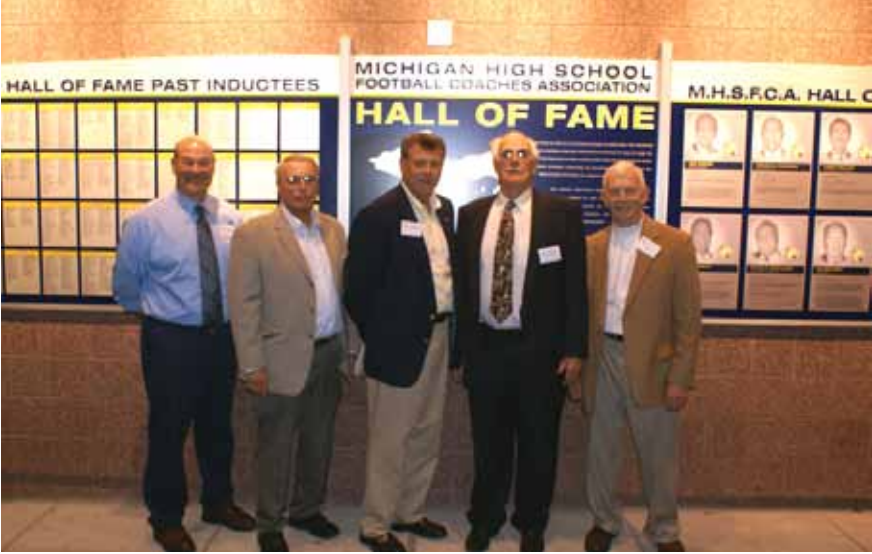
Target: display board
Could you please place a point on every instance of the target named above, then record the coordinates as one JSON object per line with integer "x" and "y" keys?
{"x": 583, "y": 113}
{"x": 769, "y": 165}
{"x": 86, "y": 144}
{"x": 771, "y": 174}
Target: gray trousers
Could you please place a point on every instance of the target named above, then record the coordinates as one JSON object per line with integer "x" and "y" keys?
{"x": 405, "y": 433}
{"x": 655, "y": 434}
{"x": 295, "y": 443}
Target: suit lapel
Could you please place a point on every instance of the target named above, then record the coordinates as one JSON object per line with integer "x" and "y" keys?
{"x": 643, "y": 263}
{"x": 479, "y": 221}
{"x": 289, "y": 242}
{"x": 539, "y": 218}
{"x": 331, "y": 243}
{"x": 600, "y": 258}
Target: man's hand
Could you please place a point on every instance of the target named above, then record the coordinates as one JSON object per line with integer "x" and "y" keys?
{"x": 256, "y": 382}
{"x": 676, "y": 397}
{"x": 570, "y": 369}
{"x": 456, "y": 374}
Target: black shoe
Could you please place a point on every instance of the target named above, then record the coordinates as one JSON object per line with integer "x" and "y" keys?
{"x": 317, "y": 525}
{"x": 598, "y": 540}
{"x": 229, "y": 515}
{"x": 478, "y": 540}
{"x": 532, "y": 541}
{"x": 425, "y": 528}
{"x": 383, "y": 543}
{"x": 174, "y": 539}
{"x": 671, "y": 546}
{"x": 272, "y": 541}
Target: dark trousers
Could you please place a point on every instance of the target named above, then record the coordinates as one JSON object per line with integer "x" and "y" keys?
{"x": 190, "y": 374}
{"x": 515, "y": 404}
{"x": 295, "y": 443}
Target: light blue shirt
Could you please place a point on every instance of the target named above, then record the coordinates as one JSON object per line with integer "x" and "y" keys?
{"x": 328, "y": 315}
{"x": 157, "y": 269}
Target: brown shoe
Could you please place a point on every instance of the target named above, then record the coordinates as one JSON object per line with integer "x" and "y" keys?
{"x": 231, "y": 516}
{"x": 598, "y": 540}
{"x": 174, "y": 539}
{"x": 671, "y": 546}
{"x": 424, "y": 527}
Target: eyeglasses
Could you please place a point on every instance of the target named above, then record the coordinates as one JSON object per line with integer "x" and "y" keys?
{"x": 521, "y": 154}
{"x": 302, "y": 179}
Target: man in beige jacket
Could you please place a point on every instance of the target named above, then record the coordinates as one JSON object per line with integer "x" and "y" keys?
{"x": 284, "y": 292}
{"x": 644, "y": 297}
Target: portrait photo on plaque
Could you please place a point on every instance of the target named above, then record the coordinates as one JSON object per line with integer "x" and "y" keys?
{"x": 782, "y": 137}
{"x": 714, "y": 135}
{"x": 715, "y": 236}
{"x": 841, "y": 267}
{"x": 845, "y": 139}
{"x": 716, "y": 239}
{"x": 775, "y": 262}
{"x": 714, "y": 158}
{"x": 845, "y": 162}
{"x": 776, "y": 240}
{"x": 843, "y": 241}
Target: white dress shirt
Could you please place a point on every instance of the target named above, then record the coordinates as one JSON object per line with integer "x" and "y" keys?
{"x": 623, "y": 245}
{"x": 328, "y": 315}
{"x": 523, "y": 214}
{"x": 437, "y": 249}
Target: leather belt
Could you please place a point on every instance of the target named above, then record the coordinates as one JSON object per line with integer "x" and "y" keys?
{"x": 614, "y": 336}
{"x": 440, "y": 317}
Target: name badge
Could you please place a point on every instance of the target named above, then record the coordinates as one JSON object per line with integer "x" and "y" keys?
{"x": 550, "y": 255}
{"x": 649, "y": 247}
{"x": 411, "y": 229}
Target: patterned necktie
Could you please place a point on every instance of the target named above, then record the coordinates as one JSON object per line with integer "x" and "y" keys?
{"x": 501, "y": 289}
{"x": 210, "y": 280}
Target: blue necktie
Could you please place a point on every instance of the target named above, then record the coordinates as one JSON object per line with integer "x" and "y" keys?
{"x": 210, "y": 279}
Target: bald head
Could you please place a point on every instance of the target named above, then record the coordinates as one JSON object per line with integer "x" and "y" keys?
{"x": 624, "y": 192}
{"x": 194, "y": 165}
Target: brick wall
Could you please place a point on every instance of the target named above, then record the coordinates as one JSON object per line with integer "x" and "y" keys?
{"x": 745, "y": 30}
{"x": 778, "y": 415}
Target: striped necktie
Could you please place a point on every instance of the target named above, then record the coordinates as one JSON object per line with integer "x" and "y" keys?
{"x": 210, "y": 279}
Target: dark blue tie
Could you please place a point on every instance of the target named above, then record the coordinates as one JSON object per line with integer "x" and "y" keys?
{"x": 210, "y": 279}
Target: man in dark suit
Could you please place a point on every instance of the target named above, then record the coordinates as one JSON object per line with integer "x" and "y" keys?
{"x": 400, "y": 294}
{"x": 522, "y": 303}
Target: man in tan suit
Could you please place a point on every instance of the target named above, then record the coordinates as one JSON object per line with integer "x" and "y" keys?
{"x": 284, "y": 293}
{"x": 644, "y": 332}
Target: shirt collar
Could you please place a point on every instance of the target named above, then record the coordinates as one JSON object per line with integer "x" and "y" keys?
{"x": 521, "y": 202}
{"x": 630, "y": 233}
{"x": 297, "y": 224}
{"x": 435, "y": 202}
{"x": 209, "y": 203}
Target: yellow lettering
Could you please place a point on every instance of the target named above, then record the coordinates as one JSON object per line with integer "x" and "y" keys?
{"x": 375, "y": 113}
{"x": 554, "y": 113}
{"x": 643, "y": 118}
{"x": 397, "y": 114}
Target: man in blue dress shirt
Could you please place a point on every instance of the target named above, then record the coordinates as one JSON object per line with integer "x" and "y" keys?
{"x": 171, "y": 269}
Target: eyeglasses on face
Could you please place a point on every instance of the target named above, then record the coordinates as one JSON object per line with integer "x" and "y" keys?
{"x": 301, "y": 179}
{"x": 521, "y": 154}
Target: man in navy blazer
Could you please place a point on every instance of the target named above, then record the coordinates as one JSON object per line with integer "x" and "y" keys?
{"x": 522, "y": 303}
{"x": 400, "y": 294}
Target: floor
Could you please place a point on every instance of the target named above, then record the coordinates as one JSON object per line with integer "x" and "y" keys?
{"x": 113, "y": 522}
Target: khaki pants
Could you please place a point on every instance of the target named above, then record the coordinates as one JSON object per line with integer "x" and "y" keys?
{"x": 654, "y": 432}
{"x": 405, "y": 432}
